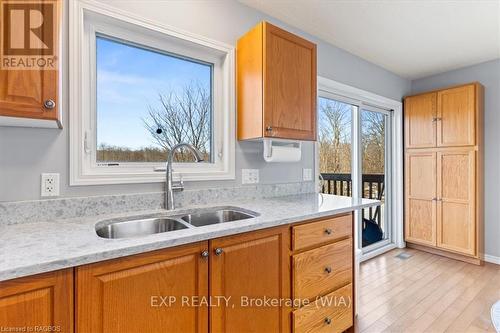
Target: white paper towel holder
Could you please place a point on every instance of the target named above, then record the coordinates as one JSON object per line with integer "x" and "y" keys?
{"x": 292, "y": 147}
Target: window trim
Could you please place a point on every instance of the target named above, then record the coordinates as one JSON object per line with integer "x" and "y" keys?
{"x": 88, "y": 18}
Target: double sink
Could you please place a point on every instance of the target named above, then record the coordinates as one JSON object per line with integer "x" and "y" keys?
{"x": 159, "y": 223}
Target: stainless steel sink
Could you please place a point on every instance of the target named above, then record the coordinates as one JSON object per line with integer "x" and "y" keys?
{"x": 139, "y": 227}
{"x": 128, "y": 227}
{"x": 216, "y": 216}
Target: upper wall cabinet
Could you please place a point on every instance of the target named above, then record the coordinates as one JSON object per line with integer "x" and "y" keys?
{"x": 29, "y": 71}
{"x": 446, "y": 118}
{"x": 276, "y": 85}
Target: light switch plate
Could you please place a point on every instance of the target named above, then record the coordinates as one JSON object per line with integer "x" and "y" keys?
{"x": 249, "y": 176}
{"x": 307, "y": 175}
{"x": 49, "y": 185}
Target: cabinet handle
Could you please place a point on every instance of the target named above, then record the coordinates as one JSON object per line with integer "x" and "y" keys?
{"x": 49, "y": 104}
{"x": 328, "y": 270}
{"x": 205, "y": 254}
{"x": 269, "y": 128}
{"x": 328, "y": 321}
{"x": 218, "y": 251}
{"x": 328, "y": 231}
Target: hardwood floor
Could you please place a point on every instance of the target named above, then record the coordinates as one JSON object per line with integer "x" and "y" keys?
{"x": 425, "y": 293}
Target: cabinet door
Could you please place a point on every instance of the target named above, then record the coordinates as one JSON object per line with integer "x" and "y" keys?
{"x": 289, "y": 85}
{"x": 251, "y": 267}
{"x": 145, "y": 293}
{"x": 39, "y": 301}
{"x": 420, "y": 212}
{"x": 23, "y": 92}
{"x": 420, "y": 121}
{"x": 456, "y": 227}
{"x": 456, "y": 117}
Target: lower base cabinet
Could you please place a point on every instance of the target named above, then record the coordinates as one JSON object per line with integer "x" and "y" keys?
{"x": 151, "y": 292}
{"x": 240, "y": 283}
{"x": 38, "y": 303}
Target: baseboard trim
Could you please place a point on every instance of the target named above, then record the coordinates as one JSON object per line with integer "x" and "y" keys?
{"x": 491, "y": 259}
{"x": 447, "y": 254}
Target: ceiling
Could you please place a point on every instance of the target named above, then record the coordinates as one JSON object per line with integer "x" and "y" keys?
{"x": 408, "y": 37}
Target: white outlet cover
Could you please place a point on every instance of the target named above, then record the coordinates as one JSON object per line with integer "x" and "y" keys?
{"x": 306, "y": 174}
{"x": 49, "y": 185}
{"x": 249, "y": 176}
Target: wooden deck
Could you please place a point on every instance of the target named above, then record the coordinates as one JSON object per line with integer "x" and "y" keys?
{"x": 426, "y": 293}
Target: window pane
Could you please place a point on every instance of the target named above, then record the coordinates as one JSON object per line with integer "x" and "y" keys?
{"x": 335, "y": 119}
{"x": 149, "y": 101}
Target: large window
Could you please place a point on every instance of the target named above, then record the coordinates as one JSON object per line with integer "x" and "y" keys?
{"x": 149, "y": 101}
{"x": 138, "y": 88}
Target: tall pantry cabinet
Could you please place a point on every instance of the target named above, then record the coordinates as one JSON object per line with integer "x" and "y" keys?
{"x": 444, "y": 172}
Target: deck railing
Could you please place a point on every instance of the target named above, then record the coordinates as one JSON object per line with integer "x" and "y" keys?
{"x": 373, "y": 188}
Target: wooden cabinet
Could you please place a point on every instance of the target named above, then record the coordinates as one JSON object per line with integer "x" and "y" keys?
{"x": 151, "y": 292}
{"x": 456, "y": 117}
{"x": 249, "y": 268}
{"x": 324, "y": 274}
{"x": 30, "y": 96}
{"x": 276, "y": 85}
{"x": 456, "y": 223}
{"x": 420, "y": 120}
{"x": 444, "y": 184}
{"x": 38, "y": 303}
{"x": 421, "y": 198}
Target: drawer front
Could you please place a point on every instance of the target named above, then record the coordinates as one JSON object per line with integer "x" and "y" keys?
{"x": 332, "y": 313}
{"x": 316, "y": 233}
{"x": 321, "y": 270}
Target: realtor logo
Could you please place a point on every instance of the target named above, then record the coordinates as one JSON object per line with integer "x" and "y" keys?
{"x": 28, "y": 34}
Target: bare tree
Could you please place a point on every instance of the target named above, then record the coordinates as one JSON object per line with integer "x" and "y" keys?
{"x": 182, "y": 117}
{"x": 373, "y": 142}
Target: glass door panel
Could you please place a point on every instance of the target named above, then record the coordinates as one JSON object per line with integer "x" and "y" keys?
{"x": 375, "y": 179}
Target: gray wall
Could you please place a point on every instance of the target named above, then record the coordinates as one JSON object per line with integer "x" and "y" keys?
{"x": 25, "y": 153}
{"x": 488, "y": 74}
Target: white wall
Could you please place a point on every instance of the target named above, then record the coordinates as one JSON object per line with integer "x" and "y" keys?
{"x": 488, "y": 74}
{"x": 25, "y": 153}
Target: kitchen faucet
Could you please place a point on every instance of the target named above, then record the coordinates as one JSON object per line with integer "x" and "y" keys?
{"x": 170, "y": 187}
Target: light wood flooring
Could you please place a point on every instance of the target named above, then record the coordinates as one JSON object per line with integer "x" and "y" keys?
{"x": 425, "y": 293}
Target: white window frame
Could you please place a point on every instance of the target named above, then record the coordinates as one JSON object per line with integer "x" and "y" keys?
{"x": 364, "y": 99}
{"x": 88, "y": 18}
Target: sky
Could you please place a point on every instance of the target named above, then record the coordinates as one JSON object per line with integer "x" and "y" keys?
{"x": 128, "y": 80}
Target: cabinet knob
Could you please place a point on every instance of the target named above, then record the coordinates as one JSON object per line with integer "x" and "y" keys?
{"x": 218, "y": 251}
{"x": 205, "y": 254}
{"x": 328, "y": 231}
{"x": 49, "y": 104}
{"x": 269, "y": 128}
{"x": 328, "y": 321}
{"x": 328, "y": 270}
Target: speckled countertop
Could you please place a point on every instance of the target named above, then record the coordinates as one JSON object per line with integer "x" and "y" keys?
{"x": 36, "y": 247}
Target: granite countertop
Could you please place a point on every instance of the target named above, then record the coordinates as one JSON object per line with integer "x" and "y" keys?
{"x": 38, "y": 246}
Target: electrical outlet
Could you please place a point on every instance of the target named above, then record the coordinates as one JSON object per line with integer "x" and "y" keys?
{"x": 307, "y": 175}
{"x": 49, "y": 186}
{"x": 249, "y": 176}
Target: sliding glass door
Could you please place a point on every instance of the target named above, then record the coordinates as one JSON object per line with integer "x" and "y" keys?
{"x": 354, "y": 157}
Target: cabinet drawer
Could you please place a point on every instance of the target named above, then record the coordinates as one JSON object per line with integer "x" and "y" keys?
{"x": 315, "y": 233}
{"x": 318, "y": 271}
{"x": 332, "y": 313}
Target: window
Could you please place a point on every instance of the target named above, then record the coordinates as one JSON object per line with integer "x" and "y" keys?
{"x": 138, "y": 88}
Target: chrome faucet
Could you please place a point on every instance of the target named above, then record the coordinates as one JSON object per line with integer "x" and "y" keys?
{"x": 170, "y": 187}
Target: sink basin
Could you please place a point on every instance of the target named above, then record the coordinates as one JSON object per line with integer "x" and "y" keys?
{"x": 216, "y": 216}
{"x": 139, "y": 227}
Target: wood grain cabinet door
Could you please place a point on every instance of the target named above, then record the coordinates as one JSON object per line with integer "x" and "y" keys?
{"x": 23, "y": 93}
{"x": 456, "y": 226}
{"x": 456, "y": 117}
{"x": 289, "y": 85}
{"x": 38, "y": 303}
{"x": 159, "y": 291}
{"x": 246, "y": 269}
{"x": 421, "y": 199}
{"x": 420, "y": 121}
